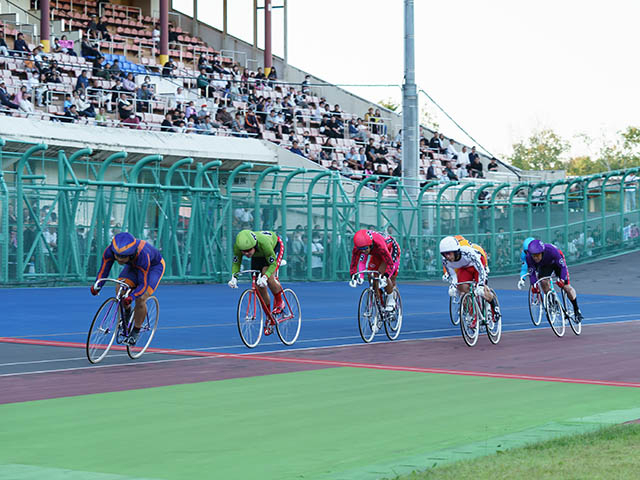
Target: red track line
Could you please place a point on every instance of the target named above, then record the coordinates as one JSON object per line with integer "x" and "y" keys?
{"x": 334, "y": 363}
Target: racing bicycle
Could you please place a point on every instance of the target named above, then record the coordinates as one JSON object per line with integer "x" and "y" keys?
{"x": 255, "y": 317}
{"x": 372, "y": 313}
{"x": 475, "y": 313}
{"x": 114, "y": 322}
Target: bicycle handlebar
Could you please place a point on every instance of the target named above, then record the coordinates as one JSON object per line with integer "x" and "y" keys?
{"x": 247, "y": 271}
{"x": 548, "y": 277}
{"x": 125, "y": 285}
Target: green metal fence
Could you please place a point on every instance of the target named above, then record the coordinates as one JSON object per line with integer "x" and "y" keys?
{"x": 59, "y": 210}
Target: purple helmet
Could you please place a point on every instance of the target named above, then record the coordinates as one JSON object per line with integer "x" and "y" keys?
{"x": 535, "y": 247}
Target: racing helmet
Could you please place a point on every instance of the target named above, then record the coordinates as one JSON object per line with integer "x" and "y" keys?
{"x": 535, "y": 247}
{"x": 449, "y": 244}
{"x": 362, "y": 239}
{"x": 246, "y": 240}
{"x": 124, "y": 244}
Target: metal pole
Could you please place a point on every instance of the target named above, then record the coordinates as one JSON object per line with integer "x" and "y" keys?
{"x": 409, "y": 107}
{"x": 194, "y": 25}
{"x": 224, "y": 17}
{"x": 286, "y": 36}
{"x": 164, "y": 31}
{"x": 45, "y": 18}
{"x": 268, "y": 61}
{"x": 255, "y": 23}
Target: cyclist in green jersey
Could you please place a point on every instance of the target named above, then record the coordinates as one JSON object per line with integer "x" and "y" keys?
{"x": 265, "y": 249}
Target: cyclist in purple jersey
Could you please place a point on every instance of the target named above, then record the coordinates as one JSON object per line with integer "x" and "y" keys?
{"x": 543, "y": 259}
{"x": 143, "y": 270}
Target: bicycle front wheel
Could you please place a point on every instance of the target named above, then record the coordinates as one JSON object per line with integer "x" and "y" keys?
{"x": 454, "y": 309}
{"x": 250, "y": 318}
{"x": 468, "y": 320}
{"x": 571, "y": 314}
{"x": 147, "y": 329}
{"x": 535, "y": 307}
{"x": 288, "y": 322}
{"x": 367, "y": 315}
{"x": 555, "y": 314}
{"x": 393, "y": 325}
{"x": 494, "y": 326}
{"x": 103, "y": 330}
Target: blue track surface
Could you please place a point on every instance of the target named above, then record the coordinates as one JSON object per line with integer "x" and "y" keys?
{"x": 203, "y": 317}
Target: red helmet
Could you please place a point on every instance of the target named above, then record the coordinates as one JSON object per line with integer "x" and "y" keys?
{"x": 362, "y": 239}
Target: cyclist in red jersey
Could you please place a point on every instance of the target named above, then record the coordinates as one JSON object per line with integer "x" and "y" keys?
{"x": 385, "y": 258}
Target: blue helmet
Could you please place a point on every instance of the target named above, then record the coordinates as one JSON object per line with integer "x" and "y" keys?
{"x": 535, "y": 247}
{"x": 124, "y": 244}
{"x": 527, "y": 241}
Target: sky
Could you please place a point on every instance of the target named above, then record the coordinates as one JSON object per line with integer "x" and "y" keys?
{"x": 501, "y": 68}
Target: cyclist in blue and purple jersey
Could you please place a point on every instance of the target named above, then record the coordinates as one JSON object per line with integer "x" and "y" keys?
{"x": 542, "y": 260}
{"x": 143, "y": 270}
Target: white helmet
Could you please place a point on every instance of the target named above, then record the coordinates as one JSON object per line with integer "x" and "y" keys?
{"x": 449, "y": 244}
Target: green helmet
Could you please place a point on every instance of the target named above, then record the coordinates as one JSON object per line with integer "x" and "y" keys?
{"x": 246, "y": 240}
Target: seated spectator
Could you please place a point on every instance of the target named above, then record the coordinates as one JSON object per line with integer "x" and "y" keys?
{"x": 461, "y": 171}
{"x": 19, "y": 94}
{"x": 475, "y": 168}
{"x": 223, "y": 117}
{"x": 295, "y": 149}
{"x": 53, "y": 74}
{"x": 272, "y": 77}
{"x": 434, "y": 143}
{"x": 25, "y": 103}
{"x": 83, "y": 81}
{"x": 129, "y": 83}
{"x": 203, "y": 63}
{"x": 493, "y": 165}
{"x": 203, "y": 83}
{"x": 84, "y": 108}
{"x": 101, "y": 27}
{"x": 4, "y": 48}
{"x": 92, "y": 25}
{"x": 304, "y": 86}
{"x": 101, "y": 117}
{"x": 167, "y": 124}
{"x": 89, "y": 47}
{"x": 369, "y": 119}
{"x": 144, "y": 98}
{"x": 237, "y": 126}
{"x": 125, "y": 108}
{"x": 190, "y": 110}
{"x": 114, "y": 69}
{"x": 99, "y": 95}
{"x": 66, "y": 46}
{"x": 380, "y": 128}
{"x": 451, "y": 175}
{"x": 99, "y": 70}
{"x": 333, "y": 129}
{"x": 71, "y": 115}
{"x": 20, "y": 45}
{"x": 432, "y": 171}
{"x": 168, "y": 68}
{"x": 155, "y": 34}
{"x": 173, "y": 35}
{"x": 39, "y": 58}
{"x": 251, "y": 123}
{"x": 4, "y": 97}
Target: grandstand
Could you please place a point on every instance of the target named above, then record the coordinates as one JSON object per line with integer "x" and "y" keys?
{"x": 101, "y": 104}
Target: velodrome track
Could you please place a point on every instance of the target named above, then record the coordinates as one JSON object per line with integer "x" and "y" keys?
{"x": 340, "y": 408}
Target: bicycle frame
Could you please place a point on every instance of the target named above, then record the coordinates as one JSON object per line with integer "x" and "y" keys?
{"x": 479, "y": 303}
{"x": 374, "y": 282}
{"x": 265, "y": 308}
{"x": 123, "y": 291}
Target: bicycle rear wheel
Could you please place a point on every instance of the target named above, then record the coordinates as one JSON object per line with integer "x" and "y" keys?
{"x": 494, "y": 327}
{"x": 555, "y": 314}
{"x": 454, "y": 309}
{"x": 103, "y": 330}
{"x": 147, "y": 329}
{"x": 571, "y": 314}
{"x": 393, "y": 325}
{"x": 535, "y": 307}
{"x": 468, "y": 320}
{"x": 288, "y": 322}
{"x": 250, "y": 318}
{"x": 367, "y": 315}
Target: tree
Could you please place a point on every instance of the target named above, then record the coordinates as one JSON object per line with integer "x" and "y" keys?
{"x": 542, "y": 151}
{"x": 389, "y": 104}
{"x": 583, "y": 166}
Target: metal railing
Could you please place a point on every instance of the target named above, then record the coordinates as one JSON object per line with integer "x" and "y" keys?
{"x": 59, "y": 211}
